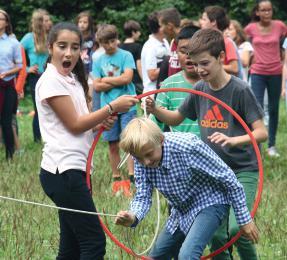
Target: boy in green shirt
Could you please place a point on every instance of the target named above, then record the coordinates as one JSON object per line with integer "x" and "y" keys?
{"x": 183, "y": 79}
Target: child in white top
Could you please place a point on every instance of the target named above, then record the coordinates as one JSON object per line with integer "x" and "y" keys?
{"x": 66, "y": 126}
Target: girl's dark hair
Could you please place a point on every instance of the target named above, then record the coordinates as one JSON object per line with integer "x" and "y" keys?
{"x": 90, "y": 22}
{"x": 254, "y": 17}
{"x": 8, "y": 29}
{"x": 79, "y": 69}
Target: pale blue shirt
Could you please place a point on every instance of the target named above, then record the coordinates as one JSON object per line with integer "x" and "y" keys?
{"x": 34, "y": 57}
{"x": 10, "y": 55}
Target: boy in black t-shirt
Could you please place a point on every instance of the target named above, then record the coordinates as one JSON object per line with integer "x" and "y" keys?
{"x": 132, "y": 30}
{"x": 218, "y": 128}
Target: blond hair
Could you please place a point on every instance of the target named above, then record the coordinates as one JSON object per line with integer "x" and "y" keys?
{"x": 39, "y": 32}
{"x": 138, "y": 133}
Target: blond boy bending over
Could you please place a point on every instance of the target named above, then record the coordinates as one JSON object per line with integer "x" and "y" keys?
{"x": 198, "y": 185}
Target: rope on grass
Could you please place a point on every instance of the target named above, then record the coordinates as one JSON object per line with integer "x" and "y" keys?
{"x": 55, "y": 207}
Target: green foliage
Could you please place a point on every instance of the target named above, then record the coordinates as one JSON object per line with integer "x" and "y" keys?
{"x": 117, "y": 12}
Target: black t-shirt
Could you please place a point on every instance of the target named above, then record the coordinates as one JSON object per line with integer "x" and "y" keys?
{"x": 135, "y": 49}
{"x": 214, "y": 118}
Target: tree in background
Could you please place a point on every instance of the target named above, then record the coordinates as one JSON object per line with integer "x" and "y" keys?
{"x": 119, "y": 11}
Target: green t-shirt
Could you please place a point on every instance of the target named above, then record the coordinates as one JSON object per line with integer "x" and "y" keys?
{"x": 172, "y": 100}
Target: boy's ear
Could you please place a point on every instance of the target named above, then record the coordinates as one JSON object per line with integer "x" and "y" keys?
{"x": 214, "y": 24}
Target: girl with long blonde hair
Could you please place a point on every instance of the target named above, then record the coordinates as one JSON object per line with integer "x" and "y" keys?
{"x": 35, "y": 45}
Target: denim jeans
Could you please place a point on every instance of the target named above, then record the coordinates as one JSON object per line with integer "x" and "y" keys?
{"x": 114, "y": 133}
{"x": 191, "y": 246}
{"x": 96, "y": 100}
{"x": 81, "y": 235}
{"x": 273, "y": 85}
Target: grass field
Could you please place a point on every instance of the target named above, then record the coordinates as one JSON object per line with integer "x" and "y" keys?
{"x": 32, "y": 232}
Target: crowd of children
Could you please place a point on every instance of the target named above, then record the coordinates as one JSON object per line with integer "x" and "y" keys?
{"x": 82, "y": 78}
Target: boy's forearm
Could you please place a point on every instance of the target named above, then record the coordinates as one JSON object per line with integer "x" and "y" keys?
{"x": 117, "y": 81}
{"x": 260, "y": 134}
{"x": 167, "y": 117}
{"x": 102, "y": 86}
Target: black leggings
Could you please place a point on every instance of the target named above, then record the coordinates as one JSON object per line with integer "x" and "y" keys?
{"x": 81, "y": 235}
{"x": 9, "y": 102}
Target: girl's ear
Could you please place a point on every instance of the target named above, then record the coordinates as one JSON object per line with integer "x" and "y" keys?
{"x": 50, "y": 49}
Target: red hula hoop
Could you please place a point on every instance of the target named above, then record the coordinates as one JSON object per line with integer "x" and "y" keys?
{"x": 248, "y": 131}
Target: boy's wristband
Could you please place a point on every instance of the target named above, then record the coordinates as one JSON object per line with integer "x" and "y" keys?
{"x": 110, "y": 109}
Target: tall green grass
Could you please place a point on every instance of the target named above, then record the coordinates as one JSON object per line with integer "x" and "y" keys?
{"x": 32, "y": 232}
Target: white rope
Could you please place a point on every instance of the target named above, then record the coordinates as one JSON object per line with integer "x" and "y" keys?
{"x": 55, "y": 207}
{"x": 156, "y": 229}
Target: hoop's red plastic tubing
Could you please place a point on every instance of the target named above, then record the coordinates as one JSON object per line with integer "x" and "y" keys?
{"x": 253, "y": 141}
{"x": 90, "y": 157}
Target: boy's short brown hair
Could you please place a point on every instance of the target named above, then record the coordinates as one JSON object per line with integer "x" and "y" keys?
{"x": 138, "y": 133}
{"x": 107, "y": 32}
{"x": 170, "y": 15}
{"x": 209, "y": 40}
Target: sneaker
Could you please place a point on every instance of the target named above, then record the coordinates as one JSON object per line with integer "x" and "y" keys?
{"x": 126, "y": 186}
{"x": 272, "y": 152}
{"x": 116, "y": 186}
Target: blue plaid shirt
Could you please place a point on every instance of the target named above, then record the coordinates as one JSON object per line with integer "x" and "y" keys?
{"x": 191, "y": 177}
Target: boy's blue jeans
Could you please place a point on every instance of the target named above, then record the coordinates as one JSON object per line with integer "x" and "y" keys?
{"x": 192, "y": 245}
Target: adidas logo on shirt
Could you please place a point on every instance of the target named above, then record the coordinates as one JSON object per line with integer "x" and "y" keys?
{"x": 214, "y": 119}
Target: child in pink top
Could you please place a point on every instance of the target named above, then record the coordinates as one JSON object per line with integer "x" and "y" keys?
{"x": 266, "y": 70}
